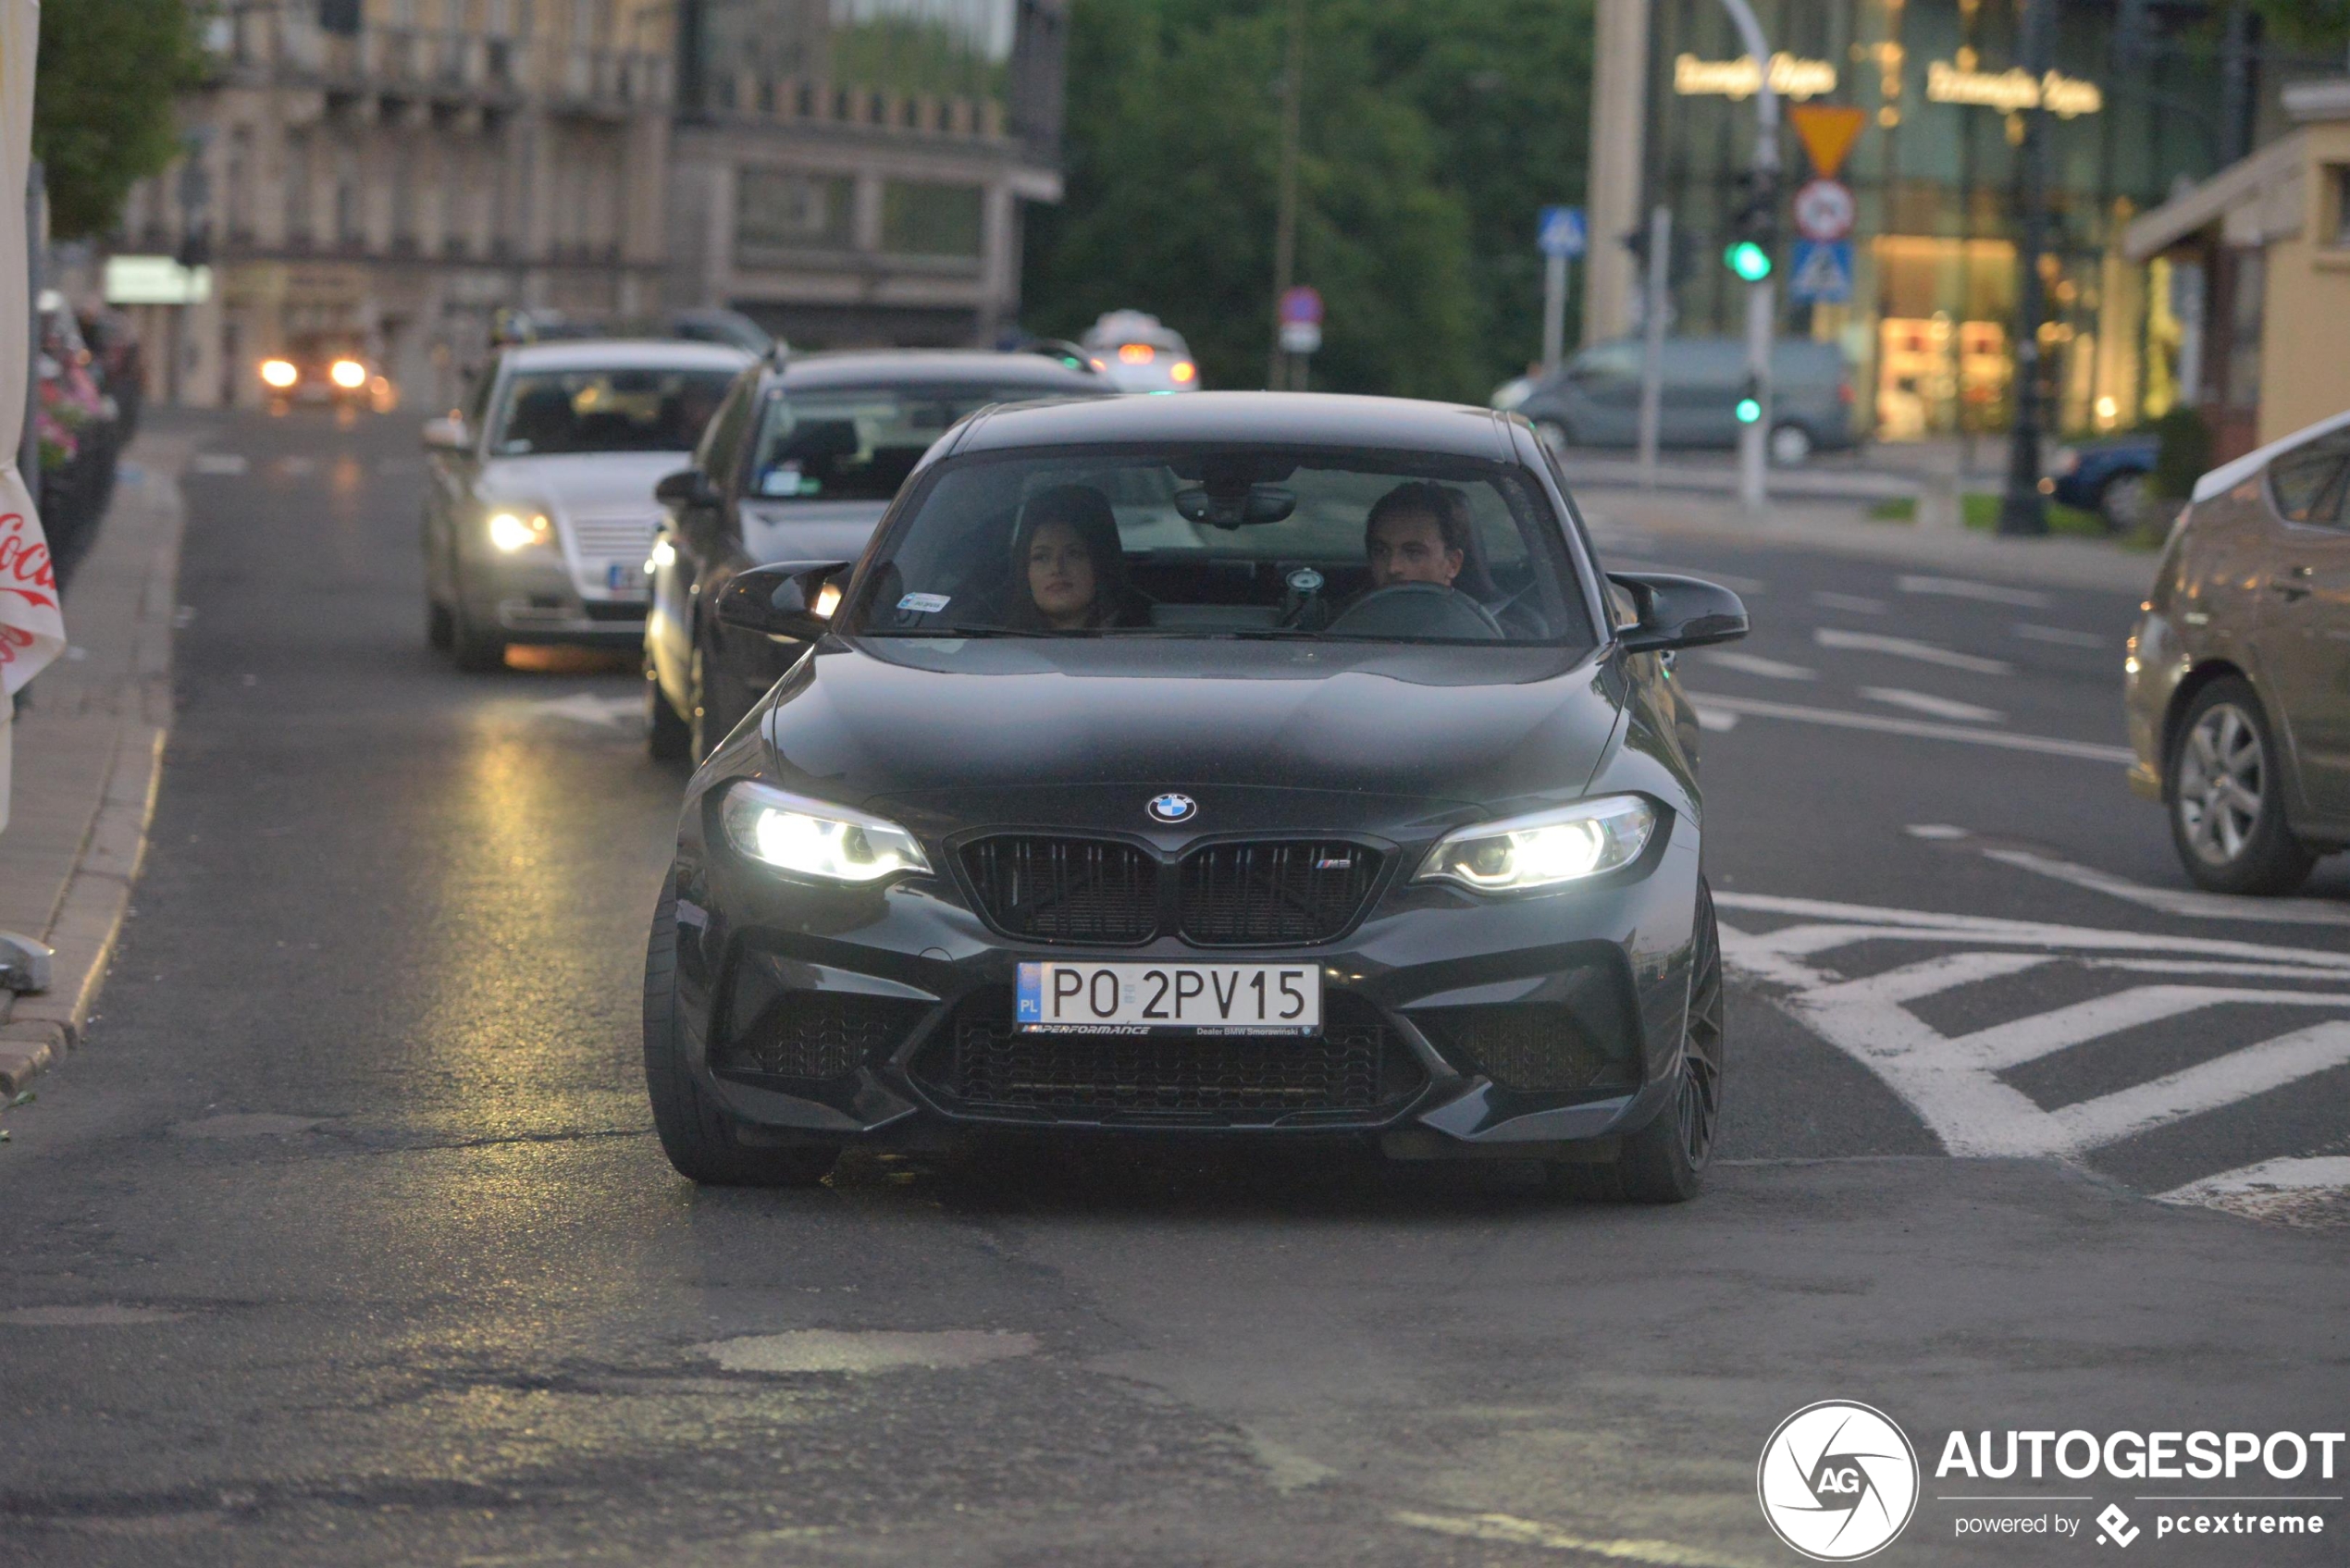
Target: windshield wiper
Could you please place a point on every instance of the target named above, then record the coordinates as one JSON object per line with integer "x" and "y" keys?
{"x": 936, "y": 632}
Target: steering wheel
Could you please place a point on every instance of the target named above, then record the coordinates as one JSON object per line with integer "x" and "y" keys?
{"x": 1416, "y": 610}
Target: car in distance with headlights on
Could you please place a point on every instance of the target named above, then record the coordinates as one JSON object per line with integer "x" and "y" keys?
{"x": 1141, "y": 354}
{"x": 804, "y": 460}
{"x": 539, "y": 509}
{"x": 1268, "y": 766}
{"x": 330, "y": 371}
{"x": 2236, "y": 678}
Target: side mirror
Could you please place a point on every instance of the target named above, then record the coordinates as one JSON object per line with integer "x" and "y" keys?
{"x": 688, "y": 486}
{"x": 794, "y": 599}
{"x": 1678, "y": 613}
{"x": 447, "y": 434}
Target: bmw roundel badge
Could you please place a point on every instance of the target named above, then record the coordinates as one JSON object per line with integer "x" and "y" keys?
{"x": 1173, "y": 808}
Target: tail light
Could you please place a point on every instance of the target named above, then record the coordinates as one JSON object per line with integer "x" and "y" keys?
{"x": 1844, "y": 393}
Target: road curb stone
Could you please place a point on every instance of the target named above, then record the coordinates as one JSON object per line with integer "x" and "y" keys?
{"x": 91, "y": 904}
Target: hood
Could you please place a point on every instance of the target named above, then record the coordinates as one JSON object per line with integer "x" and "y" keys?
{"x": 583, "y": 484}
{"x": 971, "y": 730}
{"x": 808, "y": 530}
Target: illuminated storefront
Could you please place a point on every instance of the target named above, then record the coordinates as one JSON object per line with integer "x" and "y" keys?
{"x": 1929, "y": 326}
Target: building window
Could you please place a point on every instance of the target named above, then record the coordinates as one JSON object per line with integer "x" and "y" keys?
{"x": 779, "y": 211}
{"x": 922, "y": 219}
{"x": 2338, "y": 193}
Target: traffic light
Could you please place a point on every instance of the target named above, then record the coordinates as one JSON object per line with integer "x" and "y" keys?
{"x": 1754, "y": 229}
{"x": 1748, "y": 408}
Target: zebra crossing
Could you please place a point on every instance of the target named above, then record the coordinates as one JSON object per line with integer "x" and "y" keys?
{"x": 2114, "y": 1049}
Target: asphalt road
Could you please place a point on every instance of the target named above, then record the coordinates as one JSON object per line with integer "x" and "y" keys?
{"x": 345, "y": 1238}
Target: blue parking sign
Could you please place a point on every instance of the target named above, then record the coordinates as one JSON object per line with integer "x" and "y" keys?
{"x": 1562, "y": 232}
{"x": 1822, "y": 272}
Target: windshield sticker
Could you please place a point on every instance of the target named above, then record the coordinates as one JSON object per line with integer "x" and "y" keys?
{"x": 925, "y": 604}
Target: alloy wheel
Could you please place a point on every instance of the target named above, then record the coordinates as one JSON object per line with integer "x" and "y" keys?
{"x": 1698, "y": 1106}
{"x": 2222, "y": 783}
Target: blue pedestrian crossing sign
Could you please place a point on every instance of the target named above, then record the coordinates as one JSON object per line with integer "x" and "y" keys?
{"x": 1562, "y": 232}
{"x": 1822, "y": 273}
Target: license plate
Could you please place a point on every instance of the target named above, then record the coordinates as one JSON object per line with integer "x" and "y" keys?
{"x": 1072, "y": 998}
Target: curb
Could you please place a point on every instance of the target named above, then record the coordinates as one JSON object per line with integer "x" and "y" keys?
{"x": 36, "y": 1027}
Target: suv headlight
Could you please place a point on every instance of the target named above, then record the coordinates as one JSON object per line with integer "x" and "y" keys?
{"x": 815, "y": 839}
{"x": 1543, "y": 849}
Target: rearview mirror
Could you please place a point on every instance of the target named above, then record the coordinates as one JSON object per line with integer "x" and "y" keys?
{"x": 1259, "y": 503}
{"x": 447, "y": 434}
{"x": 794, "y": 599}
{"x": 688, "y": 486}
{"x": 1678, "y": 613}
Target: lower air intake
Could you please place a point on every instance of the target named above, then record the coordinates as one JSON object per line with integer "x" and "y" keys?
{"x": 1534, "y": 1048}
{"x": 817, "y": 1034}
{"x": 982, "y": 1065}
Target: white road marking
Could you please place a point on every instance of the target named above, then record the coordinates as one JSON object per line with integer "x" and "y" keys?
{"x": 1955, "y": 1084}
{"x": 1910, "y": 648}
{"x": 1960, "y": 587}
{"x": 2050, "y": 746}
{"x": 2207, "y": 1086}
{"x": 2060, "y": 635}
{"x": 1856, "y": 603}
{"x": 1755, "y": 664}
{"x": 605, "y": 713}
{"x": 218, "y": 463}
{"x": 1934, "y": 831}
{"x": 865, "y": 1350}
{"x": 1716, "y": 720}
{"x": 2309, "y": 1174}
{"x": 2186, "y": 903}
{"x": 1938, "y": 706}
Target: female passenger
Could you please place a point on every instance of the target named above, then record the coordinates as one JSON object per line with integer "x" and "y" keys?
{"x": 1068, "y": 569}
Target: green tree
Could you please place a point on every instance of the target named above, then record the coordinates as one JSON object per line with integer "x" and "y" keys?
{"x": 101, "y": 102}
{"x": 1432, "y": 133}
{"x": 2311, "y": 23}
{"x": 1172, "y": 149}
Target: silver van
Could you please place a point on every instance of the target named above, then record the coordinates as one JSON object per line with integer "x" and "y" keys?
{"x": 1594, "y": 399}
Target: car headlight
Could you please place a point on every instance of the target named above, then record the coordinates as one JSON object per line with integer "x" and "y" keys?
{"x": 1543, "y": 849}
{"x": 514, "y": 530}
{"x": 813, "y": 838}
{"x": 2064, "y": 464}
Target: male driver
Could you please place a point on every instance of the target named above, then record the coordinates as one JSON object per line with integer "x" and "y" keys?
{"x": 1417, "y": 533}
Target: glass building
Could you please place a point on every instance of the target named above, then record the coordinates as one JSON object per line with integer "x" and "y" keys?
{"x": 2143, "y": 96}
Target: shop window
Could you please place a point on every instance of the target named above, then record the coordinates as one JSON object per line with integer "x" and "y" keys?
{"x": 777, "y": 210}
{"x": 924, "y": 219}
{"x": 2338, "y": 200}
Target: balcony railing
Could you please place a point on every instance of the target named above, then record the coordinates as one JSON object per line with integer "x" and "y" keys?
{"x": 749, "y": 94}
{"x": 287, "y": 45}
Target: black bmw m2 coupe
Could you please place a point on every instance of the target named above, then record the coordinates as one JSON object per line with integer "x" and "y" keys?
{"x": 1238, "y": 765}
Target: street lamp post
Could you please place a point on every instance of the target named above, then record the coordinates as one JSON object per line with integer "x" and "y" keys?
{"x": 2020, "y": 509}
{"x": 1754, "y": 434}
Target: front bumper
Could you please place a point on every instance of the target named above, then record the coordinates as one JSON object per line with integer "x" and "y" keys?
{"x": 882, "y": 1017}
{"x": 532, "y": 598}
{"x": 2154, "y": 662}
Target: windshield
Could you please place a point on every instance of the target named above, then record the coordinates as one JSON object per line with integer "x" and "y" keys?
{"x": 1246, "y": 542}
{"x": 858, "y": 443}
{"x": 614, "y": 410}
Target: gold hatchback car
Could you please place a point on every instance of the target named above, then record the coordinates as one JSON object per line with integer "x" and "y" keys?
{"x": 2237, "y": 681}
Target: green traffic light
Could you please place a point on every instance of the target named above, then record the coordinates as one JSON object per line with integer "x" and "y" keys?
{"x": 1749, "y": 410}
{"x": 1749, "y": 260}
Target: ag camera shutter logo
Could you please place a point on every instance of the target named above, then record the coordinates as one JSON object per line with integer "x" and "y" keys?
{"x": 1839, "y": 1481}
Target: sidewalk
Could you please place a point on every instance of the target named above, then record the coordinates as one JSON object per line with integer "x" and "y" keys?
{"x": 2104, "y": 565}
{"x": 88, "y": 753}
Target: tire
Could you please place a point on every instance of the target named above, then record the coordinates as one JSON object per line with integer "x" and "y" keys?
{"x": 698, "y": 1138}
{"x": 440, "y": 627}
{"x": 667, "y": 736}
{"x": 473, "y": 650}
{"x": 1666, "y": 1161}
{"x": 1790, "y": 446}
{"x": 2225, "y": 789}
{"x": 2122, "y": 501}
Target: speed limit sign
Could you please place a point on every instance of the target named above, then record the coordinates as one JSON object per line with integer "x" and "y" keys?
{"x": 1824, "y": 210}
